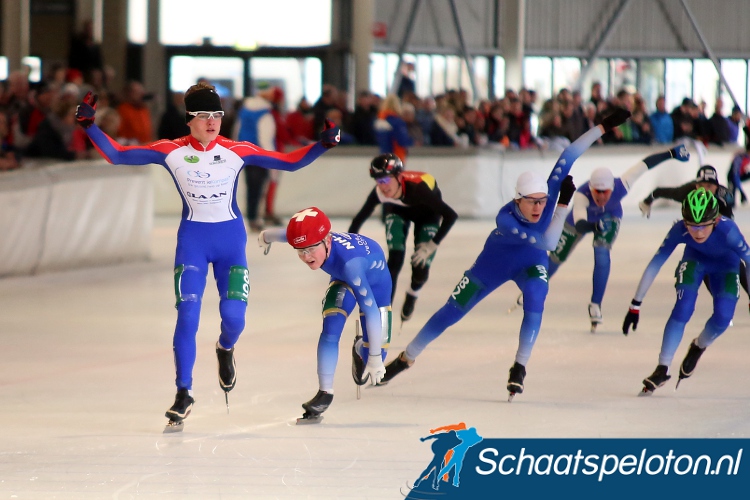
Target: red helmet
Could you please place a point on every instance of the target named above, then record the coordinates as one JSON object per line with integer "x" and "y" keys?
{"x": 307, "y": 227}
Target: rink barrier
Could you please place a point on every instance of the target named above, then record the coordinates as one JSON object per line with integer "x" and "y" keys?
{"x": 475, "y": 182}
{"x": 59, "y": 216}
{"x": 65, "y": 215}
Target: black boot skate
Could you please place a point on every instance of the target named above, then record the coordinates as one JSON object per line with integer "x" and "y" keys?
{"x": 227, "y": 375}
{"x": 689, "y": 363}
{"x": 655, "y": 380}
{"x": 516, "y": 375}
{"x": 408, "y": 308}
{"x": 395, "y": 367}
{"x": 358, "y": 364}
{"x": 183, "y": 404}
{"x": 315, "y": 407}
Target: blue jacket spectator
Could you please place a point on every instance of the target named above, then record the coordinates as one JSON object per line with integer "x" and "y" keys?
{"x": 662, "y": 127}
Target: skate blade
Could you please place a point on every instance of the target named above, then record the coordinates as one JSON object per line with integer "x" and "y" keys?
{"x": 359, "y": 392}
{"x": 309, "y": 420}
{"x": 645, "y": 392}
{"x": 173, "y": 427}
{"x": 510, "y": 397}
{"x": 678, "y": 384}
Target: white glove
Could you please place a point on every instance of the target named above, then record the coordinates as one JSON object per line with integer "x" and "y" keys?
{"x": 262, "y": 243}
{"x": 375, "y": 369}
{"x": 645, "y": 209}
{"x": 423, "y": 252}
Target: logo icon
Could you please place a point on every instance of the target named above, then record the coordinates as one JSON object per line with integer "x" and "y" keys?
{"x": 217, "y": 157}
{"x": 192, "y": 159}
{"x": 198, "y": 174}
{"x": 449, "y": 446}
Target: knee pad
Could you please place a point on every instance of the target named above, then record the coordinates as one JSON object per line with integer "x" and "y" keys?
{"x": 395, "y": 232}
{"x": 565, "y": 245}
{"x": 607, "y": 237}
{"x": 339, "y": 299}
{"x": 181, "y": 297}
{"x": 467, "y": 293}
{"x": 238, "y": 287}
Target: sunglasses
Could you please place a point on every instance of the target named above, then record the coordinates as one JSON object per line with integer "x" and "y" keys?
{"x": 536, "y": 201}
{"x": 698, "y": 227}
{"x": 308, "y": 250}
{"x": 601, "y": 191}
{"x": 383, "y": 180}
{"x": 206, "y": 115}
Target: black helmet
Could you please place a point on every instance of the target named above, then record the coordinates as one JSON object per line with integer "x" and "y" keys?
{"x": 707, "y": 173}
{"x": 385, "y": 164}
{"x": 700, "y": 206}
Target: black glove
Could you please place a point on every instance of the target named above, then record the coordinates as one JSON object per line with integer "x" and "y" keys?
{"x": 86, "y": 111}
{"x": 567, "y": 189}
{"x": 615, "y": 118}
{"x": 632, "y": 317}
{"x": 331, "y": 135}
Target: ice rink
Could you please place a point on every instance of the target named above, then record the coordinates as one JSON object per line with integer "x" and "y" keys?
{"x": 86, "y": 375}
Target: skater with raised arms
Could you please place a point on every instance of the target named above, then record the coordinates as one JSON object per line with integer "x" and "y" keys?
{"x": 205, "y": 168}
{"x": 714, "y": 247}
{"x": 359, "y": 276}
{"x": 597, "y": 208}
{"x": 527, "y": 228}
{"x": 407, "y": 197}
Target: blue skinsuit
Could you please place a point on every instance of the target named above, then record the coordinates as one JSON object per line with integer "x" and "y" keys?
{"x": 211, "y": 230}
{"x": 359, "y": 264}
{"x": 516, "y": 250}
{"x": 719, "y": 258}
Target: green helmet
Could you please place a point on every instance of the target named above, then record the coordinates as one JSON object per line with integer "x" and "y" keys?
{"x": 700, "y": 206}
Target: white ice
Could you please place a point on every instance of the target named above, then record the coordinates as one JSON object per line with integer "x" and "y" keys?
{"x": 86, "y": 375}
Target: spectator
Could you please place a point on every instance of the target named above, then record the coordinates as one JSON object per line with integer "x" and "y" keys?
{"x": 661, "y": 123}
{"x": 328, "y": 100}
{"x": 84, "y": 53}
{"x": 444, "y": 131}
{"x": 407, "y": 83}
{"x": 58, "y": 137}
{"x": 413, "y": 128}
{"x": 362, "y": 124}
{"x": 734, "y": 121}
{"x": 9, "y": 158}
{"x": 390, "y": 129}
{"x": 300, "y": 123}
{"x": 682, "y": 119}
{"x": 135, "y": 115}
{"x": 718, "y": 125}
{"x": 172, "y": 123}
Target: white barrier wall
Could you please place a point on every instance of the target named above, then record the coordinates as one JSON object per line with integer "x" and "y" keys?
{"x": 59, "y": 216}
{"x": 475, "y": 182}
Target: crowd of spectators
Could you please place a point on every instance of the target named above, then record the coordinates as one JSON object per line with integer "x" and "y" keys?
{"x": 37, "y": 120}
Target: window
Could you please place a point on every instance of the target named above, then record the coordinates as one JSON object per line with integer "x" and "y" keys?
{"x": 223, "y": 72}
{"x": 599, "y": 72}
{"x": 296, "y": 77}
{"x": 679, "y": 78}
{"x": 537, "y": 73}
{"x": 498, "y": 84}
{"x": 735, "y": 74}
{"x": 565, "y": 73}
{"x": 651, "y": 81}
{"x": 705, "y": 84}
{"x": 624, "y": 75}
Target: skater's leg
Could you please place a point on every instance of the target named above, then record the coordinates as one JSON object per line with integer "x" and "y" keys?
{"x": 724, "y": 302}
{"x": 675, "y": 327}
{"x": 337, "y": 306}
{"x": 601, "y": 274}
{"x": 396, "y": 230}
{"x": 190, "y": 282}
{"x": 534, "y": 284}
{"x": 468, "y": 292}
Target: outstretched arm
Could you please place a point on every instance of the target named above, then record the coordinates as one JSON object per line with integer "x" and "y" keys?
{"x": 253, "y": 155}
{"x": 679, "y": 153}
